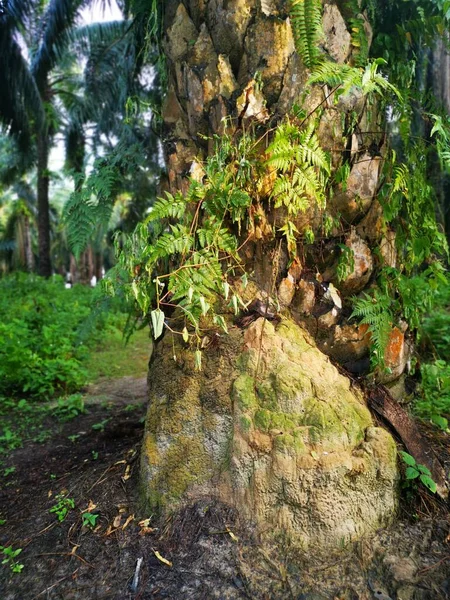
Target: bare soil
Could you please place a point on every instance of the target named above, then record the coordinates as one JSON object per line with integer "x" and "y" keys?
{"x": 209, "y": 552}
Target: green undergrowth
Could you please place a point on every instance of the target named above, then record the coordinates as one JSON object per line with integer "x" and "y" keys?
{"x": 53, "y": 341}
{"x": 50, "y": 335}
{"x": 433, "y": 400}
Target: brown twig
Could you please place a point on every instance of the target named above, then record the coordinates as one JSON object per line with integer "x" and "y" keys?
{"x": 69, "y": 554}
{"x": 435, "y": 565}
{"x": 54, "y": 585}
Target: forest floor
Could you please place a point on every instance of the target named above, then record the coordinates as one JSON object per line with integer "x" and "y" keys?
{"x": 69, "y": 501}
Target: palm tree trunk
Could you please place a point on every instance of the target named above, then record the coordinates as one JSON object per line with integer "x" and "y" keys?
{"x": 236, "y": 60}
{"x": 440, "y": 76}
{"x": 29, "y": 258}
{"x": 232, "y": 63}
{"x": 45, "y": 265}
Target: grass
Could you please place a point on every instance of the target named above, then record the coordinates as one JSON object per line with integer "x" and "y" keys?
{"x": 113, "y": 358}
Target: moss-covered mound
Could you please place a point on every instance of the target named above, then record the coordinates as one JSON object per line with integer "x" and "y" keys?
{"x": 271, "y": 427}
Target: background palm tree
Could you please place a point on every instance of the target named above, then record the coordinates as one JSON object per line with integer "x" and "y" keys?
{"x": 81, "y": 82}
{"x": 33, "y": 37}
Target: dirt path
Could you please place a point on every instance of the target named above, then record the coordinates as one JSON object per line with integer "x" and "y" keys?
{"x": 92, "y": 460}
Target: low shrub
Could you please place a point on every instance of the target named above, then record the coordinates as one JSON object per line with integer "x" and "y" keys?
{"x": 433, "y": 400}
{"x": 46, "y": 332}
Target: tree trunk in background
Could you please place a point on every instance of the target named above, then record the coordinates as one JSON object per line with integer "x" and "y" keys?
{"x": 246, "y": 434}
{"x": 45, "y": 265}
{"x": 28, "y": 249}
{"x": 440, "y": 75}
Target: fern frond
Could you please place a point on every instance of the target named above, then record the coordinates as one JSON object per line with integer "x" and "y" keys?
{"x": 345, "y": 77}
{"x": 401, "y": 179}
{"x": 170, "y": 207}
{"x": 376, "y": 312}
{"x": 306, "y": 20}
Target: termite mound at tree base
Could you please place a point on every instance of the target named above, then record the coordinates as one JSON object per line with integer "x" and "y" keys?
{"x": 271, "y": 427}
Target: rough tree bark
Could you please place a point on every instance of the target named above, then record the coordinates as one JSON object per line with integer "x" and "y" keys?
{"x": 270, "y": 426}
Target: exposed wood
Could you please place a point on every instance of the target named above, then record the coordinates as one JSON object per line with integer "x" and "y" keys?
{"x": 382, "y": 403}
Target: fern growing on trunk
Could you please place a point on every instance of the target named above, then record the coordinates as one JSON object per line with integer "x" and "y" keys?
{"x": 306, "y": 20}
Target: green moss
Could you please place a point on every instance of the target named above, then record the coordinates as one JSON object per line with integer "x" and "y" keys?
{"x": 299, "y": 442}
{"x": 354, "y": 420}
{"x": 185, "y": 462}
{"x": 323, "y": 419}
{"x": 263, "y": 419}
{"x": 267, "y": 397}
{"x": 282, "y": 421}
{"x": 284, "y": 441}
{"x": 291, "y": 441}
{"x": 150, "y": 449}
{"x": 245, "y": 422}
{"x": 244, "y": 392}
{"x": 295, "y": 334}
{"x": 291, "y": 382}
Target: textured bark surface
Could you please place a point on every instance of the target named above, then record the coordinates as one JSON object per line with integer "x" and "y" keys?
{"x": 236, "y": 60}
{"x": 270, "y": 426}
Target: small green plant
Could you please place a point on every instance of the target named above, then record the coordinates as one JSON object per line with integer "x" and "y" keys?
{"x": 89, "y": 519}
{"x": 306, "y": 19}
{"x": 47, "y": 332}
{"x": 10, "y": 556}
{"x": 346, "y": 262}
{"x": 398, "y": 296}
{"x": 434, "y": 400}
{"x": 42, "y": 436}
{"x": 94, "y": 454}
{"x": 8, "y": 471}
{"x": 62, "y": 506}
{"x": 70, "y": 407}
{"x": 420, "y": 472}
{"x": 100, "y": 426}
{"x": 10, "y": 440}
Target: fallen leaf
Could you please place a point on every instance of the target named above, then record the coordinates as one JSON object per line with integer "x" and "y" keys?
{"x": 144, "y": 523}
{"x": 146, "y": 530}
{"x": 232, "y": 536}
{"x": 117, "y": 521}
{"x": 127, "y": 473}
{"x": 110, "y": 530}
{"x": 128, "y": 521}
{"x": 162, "y": 559}
{"x": 91, "y": 507}
{"x": 333, "y": 294}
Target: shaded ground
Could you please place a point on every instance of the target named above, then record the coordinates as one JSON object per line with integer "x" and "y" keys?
{"x": 93, "y": 460}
